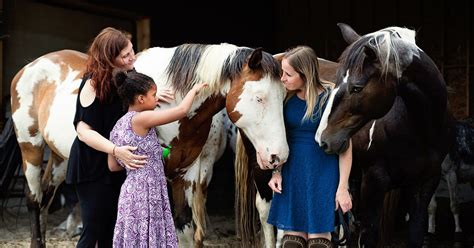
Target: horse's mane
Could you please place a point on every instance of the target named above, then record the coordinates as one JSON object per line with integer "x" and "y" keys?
{"x": 393, "y": 46}
{"x": 213, "y": 64}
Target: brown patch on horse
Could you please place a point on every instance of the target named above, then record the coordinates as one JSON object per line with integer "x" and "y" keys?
{"x": 327, "y": 70}
{"x": 237, "y": 88}
{"x": 30, "y": 154}
{"x": 71, "y": 59}
{"x": 193, "y": 134}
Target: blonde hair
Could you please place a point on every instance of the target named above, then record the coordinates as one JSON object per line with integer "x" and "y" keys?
{"x": 305, "y": 62}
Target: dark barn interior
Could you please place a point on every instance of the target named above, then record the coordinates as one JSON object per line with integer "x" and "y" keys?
{"x": 31, "y": 28}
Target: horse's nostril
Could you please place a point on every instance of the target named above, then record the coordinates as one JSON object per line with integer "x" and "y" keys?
{"x": 324, "y": 145}
{"x": 274, "y": 159}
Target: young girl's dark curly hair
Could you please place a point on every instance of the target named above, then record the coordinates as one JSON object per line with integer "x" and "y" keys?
{"x": 131, "y": 84}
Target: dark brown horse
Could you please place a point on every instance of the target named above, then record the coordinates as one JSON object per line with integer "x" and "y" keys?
{"x": 392, "y": 100}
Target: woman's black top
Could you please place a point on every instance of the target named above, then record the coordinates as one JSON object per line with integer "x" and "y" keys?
{"x": 85, "y": 163}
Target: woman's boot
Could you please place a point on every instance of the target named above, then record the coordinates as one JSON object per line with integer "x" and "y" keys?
{"x": 293, "y": 241}
{"x": 319, "y": 243}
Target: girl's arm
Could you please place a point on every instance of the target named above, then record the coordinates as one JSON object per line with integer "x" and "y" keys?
{"x": 151, "y": 118}
{"x": 113, "y": 164}
{"x": 343, "y": 198}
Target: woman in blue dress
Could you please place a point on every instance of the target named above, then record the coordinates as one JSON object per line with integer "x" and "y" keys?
{"x": 311, "y": 184}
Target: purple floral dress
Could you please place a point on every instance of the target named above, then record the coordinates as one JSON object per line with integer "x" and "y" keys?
{"x": 144, "y": 216}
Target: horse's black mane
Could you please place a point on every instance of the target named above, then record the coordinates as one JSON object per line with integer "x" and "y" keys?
{"x": 186, "y": 58}
{"x": 233, "y": 65}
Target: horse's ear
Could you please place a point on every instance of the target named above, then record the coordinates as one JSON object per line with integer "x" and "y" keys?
{"x": 348, "y": 33}
{"x": 279, "y": 56}
{"x": 255, "y": 60}
{"x": 370, "y": 53}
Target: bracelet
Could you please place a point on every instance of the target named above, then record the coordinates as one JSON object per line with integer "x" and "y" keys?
{"x": 113, "y": 150}
{"x": 276, "y": 170}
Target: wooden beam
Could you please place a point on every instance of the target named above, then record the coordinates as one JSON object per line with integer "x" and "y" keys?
{"x": 143, "y": 34}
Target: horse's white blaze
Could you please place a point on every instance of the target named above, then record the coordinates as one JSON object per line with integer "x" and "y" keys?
{"x": 61, "y": 113}
{"x": 263, "y": 208}
{"x": 323, "y": 124}
{"x": 32, "y": 75}
{"x": 256, "y": 102}
{"x": 33, "y": 177}
{"x": 324, "y": 119}
{"x": 371, "y": 133}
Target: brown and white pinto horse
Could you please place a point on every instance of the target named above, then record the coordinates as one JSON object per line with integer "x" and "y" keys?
{"x": 253, "y": 195}
{"x": 245, "y": 81}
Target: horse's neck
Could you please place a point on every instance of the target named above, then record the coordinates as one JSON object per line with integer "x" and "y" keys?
{"x": 424, "y": 93}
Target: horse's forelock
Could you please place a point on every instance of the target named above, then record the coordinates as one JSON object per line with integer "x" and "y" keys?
{"x": 394, "y": 48}
{"x": 234, "y": 64}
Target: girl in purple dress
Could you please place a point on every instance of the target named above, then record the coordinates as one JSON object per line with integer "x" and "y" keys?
{"x": 144, "y": 216}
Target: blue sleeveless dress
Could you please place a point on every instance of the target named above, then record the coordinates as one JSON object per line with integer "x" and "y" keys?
{"x": 309, "y": 177}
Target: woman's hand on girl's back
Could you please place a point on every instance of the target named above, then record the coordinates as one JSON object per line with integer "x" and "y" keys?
{"x": 130, "y": 160}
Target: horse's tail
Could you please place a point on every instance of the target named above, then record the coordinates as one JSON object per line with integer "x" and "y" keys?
{"x": 245, "y": 192}
{"x": 199, "y": 209}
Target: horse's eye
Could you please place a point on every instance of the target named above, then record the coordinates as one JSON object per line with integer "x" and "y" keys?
{"x": 355, "y": 89}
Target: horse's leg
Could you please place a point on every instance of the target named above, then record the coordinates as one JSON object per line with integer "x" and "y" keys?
{"x": 432, "y": 215}
{"x": 375, "y": 183}
{"x": 421, "y": 196}
{"x": 452, "y": 181}
{"x": 32, "y": 161}
{"x": 53, "y": 176}
{"x": 263, "y": 202}
{"x": 182, "y": 211}
{"x": 263, "y": 208}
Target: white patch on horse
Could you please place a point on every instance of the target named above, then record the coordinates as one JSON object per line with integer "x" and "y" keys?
{"x": 371, "y": 132}
{"x": 59, "y": 173}
{"x": 214, "y": 57}
{"x": 32, "y": 75}
{"x": 33, "y": 177}
{"x": 186, "y": 236}
{"x": 327, "y": 111}
{"x": 61, "y": 112}
{"x": 263, "y": 208}
{"x": 256, "y": 100}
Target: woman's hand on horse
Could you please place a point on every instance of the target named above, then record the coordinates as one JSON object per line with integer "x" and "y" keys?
{"x": 131, "y": 161}
{"x": 275, "y": 182}
{"x": 165, "y": 95}
{"x": 343, "y": 200}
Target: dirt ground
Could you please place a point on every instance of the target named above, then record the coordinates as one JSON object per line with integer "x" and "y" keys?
{"x": 15, "y": 232}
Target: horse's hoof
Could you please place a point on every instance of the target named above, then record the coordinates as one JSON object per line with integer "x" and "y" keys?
{"x": 458, "y": 240}
{"x": 429, "y": 240}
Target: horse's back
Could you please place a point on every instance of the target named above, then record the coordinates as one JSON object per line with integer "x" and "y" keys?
{"x": 43, "y": 97}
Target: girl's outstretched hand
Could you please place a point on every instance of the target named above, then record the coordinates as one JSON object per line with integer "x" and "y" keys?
{"x": 197, "y": 87}
{"x": 164, "y": 96}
